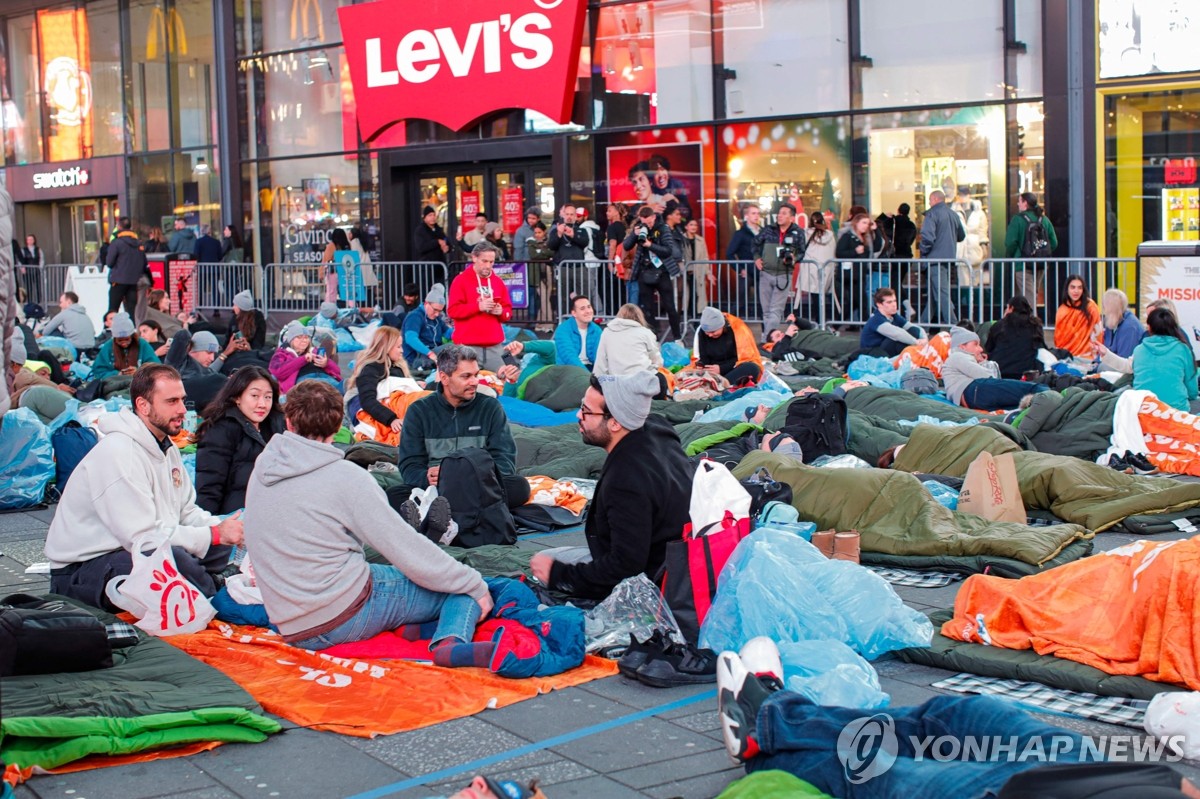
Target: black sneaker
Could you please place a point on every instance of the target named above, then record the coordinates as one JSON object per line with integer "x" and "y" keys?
{"x": 411, "y": 514}
{"x": 437, "y": 520}
{"x": 1117, "y": 463}
{"x": 639, "y": 652}
{"x": 682, "y": 665}
{"x": 1139, "y": 463}
{"x": 220, "y": 577}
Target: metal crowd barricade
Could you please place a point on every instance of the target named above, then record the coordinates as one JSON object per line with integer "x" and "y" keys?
{"x": 44, "y": 284}
{"x": 298, "y": 288}
{"x": 728, "y": 290}
{"x": 392, "y": 276}
{"x": 1043, "y": 282}
{"x": 926, "y": 288}
{"x": 215, "y": 284}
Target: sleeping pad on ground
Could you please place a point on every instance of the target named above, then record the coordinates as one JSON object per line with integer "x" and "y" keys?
{"x": 897, "y": 516}
{"x": 1131, "y": 610}
{"x": 153, "y": 697}
{"x": 1078, "y": 491}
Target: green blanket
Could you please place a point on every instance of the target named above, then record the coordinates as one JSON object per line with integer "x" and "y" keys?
{"x": 1077, "y": 423}
{"x": 557, "y": 387}
{"x": 155, "y": 695}
{"x": 1078, "y": 491}
{"x": 825, "y": 344}
{"x": 893, "y": 404}
{"x": 556, "y": 452}
{"x": 896, "y": 515}
{"x": 1025, "y": 664}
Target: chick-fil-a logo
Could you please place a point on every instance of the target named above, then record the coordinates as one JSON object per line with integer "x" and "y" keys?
{"x": 452, "y": 63}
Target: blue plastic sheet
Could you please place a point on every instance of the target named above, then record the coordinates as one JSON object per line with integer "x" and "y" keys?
{"x": 735, "y": 410}
{"x": 57, "y": 343}
{"x": 674, "y": 355}
{"x": 26, "y": 459}
{"x": 944, "y": 494}
{"x": 778, "y": 585}
{"x": 866, "y": 365}
{"x": 831, "y": 673}
{"x": 189, "y": 464}
{"x": 347, "y": 342}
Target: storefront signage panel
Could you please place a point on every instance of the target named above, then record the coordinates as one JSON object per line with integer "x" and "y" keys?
{"x": 93, "y": 177}
{"x": 455, "y": 62}
{"x": 1143, "y": 37}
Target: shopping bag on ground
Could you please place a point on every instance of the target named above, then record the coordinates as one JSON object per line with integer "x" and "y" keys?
{"x": 990, "y": 489}
{"x": 163, "y": 600}
{"x": 720, "y": 513}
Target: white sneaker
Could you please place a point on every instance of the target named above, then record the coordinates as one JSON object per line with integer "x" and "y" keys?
{"x": 761, "y": 658}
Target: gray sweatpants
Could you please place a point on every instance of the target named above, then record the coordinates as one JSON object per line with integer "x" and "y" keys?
{"x": 773, "y": 297}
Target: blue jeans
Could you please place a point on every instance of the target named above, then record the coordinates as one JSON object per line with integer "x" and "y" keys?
{"x": 801, "y": 738}
{"x": 634, "y": 292}
{"x": 998, "y": 394}
{"x": 938, "y": 290}
{"x": 396, "y": 600}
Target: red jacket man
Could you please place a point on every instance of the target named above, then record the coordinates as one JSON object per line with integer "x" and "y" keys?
{"x": 479, "y": 303}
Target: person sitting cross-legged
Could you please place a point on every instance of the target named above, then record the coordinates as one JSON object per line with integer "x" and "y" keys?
{"x": 974, "y": 382}
{"x": 453, "y": 418}
{"x": 725, "y": 345}
{"x": 131, "y": 490}
{"x": 308, "y": 514}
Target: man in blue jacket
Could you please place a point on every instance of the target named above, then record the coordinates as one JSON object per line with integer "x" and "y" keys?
{"x": 741, "y": 248}
{"x": 941, "y": 231}
{"x": 426, "y": 329}
{"x": 578, "y": 338}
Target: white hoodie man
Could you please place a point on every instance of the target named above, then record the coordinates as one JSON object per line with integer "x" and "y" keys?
{"x": 132, "y": 490}
{"x": 72, "y": 323}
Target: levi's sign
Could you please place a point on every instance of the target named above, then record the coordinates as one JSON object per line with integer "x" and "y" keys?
{"x": 61, "y": 178}
{"x": 453, "y": 63}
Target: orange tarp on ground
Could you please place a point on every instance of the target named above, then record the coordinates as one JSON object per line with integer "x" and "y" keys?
{"x": 15, "y": 776}
{"x": 1129, "y": 611}
{"x": 363, "y": 698}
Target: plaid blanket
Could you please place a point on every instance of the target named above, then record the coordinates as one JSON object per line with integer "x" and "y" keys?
{"x": 1110, "y": 709}
{"x": 917, "y": 579}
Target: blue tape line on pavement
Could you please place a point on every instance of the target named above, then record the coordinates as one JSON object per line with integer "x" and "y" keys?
{"x": 536, "y": 746}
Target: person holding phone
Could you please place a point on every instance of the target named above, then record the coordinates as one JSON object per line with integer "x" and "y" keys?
{"x": 296, "y": 359}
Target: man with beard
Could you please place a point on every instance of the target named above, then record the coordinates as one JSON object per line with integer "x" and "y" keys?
{"x": 132, "y": 490}
{"x": 479, "y": 305}
{"x": 453, "y": 418}
{"x": 642, "y": 497}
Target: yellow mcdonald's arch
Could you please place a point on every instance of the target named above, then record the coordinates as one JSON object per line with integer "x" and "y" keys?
{"x": 168, "y": 27}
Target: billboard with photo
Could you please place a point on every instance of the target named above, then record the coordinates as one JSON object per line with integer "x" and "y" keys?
{"x": 656, "y": 174}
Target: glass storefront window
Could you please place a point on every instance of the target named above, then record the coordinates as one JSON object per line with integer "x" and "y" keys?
{"x": 1029, "y": 31}
{"x": 280, "y": 26}
{"x": 1151, "y": 185}
{"x": 197, "y": 189}
{"x": 938, "y": 51}
{"x": 902, "y": 157}
{"x": 22, "y": 107}
{"x": 192, "y": 77}
{"x": 298, "y": 102}
{"x": 1030, "y": 153}
{"x": 151, "y": 203}
{"x": 153, "y": 32}
{"x": 107, "y": 117}
{"x": 804, "y": 162}
{"x": 785, "y": 56}
{"x": 301, "y": 200}
{"x": 655, "y": 60}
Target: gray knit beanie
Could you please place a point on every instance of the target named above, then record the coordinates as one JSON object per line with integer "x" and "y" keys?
{"x": 627, "y": 397}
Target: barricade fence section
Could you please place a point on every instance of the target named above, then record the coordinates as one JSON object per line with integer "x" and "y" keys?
{"x": 1043, "y": 281}
{"x": 927, "y": 290}
{"x": 213, "y": 285}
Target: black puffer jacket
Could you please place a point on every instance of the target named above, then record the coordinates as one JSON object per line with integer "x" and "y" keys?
{"x": 225, "y": 458}
{"x": 126, "y": 259}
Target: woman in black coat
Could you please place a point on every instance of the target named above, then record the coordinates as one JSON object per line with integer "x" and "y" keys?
{"x": 384, "y": 358}
{"x": 1014, "y": 341}
{"x": 237, "y": 426}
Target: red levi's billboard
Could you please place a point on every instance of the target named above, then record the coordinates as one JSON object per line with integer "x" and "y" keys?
{"x": 452, "y": 63}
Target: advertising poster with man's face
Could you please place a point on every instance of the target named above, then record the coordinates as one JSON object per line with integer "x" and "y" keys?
{"x": 657, "y": 174}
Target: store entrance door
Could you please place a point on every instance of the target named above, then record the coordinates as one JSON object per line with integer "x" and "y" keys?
{"x": 82, "y": 227}
{"x": 501, "y": 191}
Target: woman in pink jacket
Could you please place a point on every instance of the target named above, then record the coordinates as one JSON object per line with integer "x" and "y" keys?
{"x": 297, "y": 360}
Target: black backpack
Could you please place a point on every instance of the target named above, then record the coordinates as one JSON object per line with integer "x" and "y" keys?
{"x": 818, "y": 422}
{"x": 470, "y": 482}
{"x": 1037, "y": 243}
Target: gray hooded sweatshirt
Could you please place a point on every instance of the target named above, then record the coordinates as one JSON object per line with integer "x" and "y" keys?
{"x": 74, "y": 325}
{"x": 308, "y": 514}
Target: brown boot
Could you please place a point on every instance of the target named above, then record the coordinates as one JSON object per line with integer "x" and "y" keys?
{"x": 846, "y": 546}
{"x": 823, "y": 541}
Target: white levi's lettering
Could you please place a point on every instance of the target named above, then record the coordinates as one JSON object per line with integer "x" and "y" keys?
{"x": 420, "y": 53}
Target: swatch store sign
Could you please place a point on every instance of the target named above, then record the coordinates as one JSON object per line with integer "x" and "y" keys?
{"x": 61, "y": 178}
{"x": 485, "y": 54}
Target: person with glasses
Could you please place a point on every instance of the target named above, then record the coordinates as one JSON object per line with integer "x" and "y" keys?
{"x": 641, "y": 500}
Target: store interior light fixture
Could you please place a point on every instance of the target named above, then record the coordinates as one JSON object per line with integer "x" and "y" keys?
{"x": 201, "y": 169}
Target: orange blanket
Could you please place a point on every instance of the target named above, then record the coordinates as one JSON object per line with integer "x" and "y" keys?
{"x": 14, "y": 775}
{"x": 398, "y": 402}
{"x": 564, "y": 493}
{"x": 930, "y": 355}
{"x": 1131, "y": 611}
{"x": 363, "y": 698}
{"x": 1076, "y": 332}
{"x": 1172, "y": 436}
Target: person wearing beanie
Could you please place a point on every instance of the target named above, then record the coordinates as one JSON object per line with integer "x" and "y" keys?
{"x": 126, "y": 262}
{"x": 524, "y": 233}
{"x": 479, "y": 305}
{"x": 577, "y": 339}
{"x": 329, "y": 310}
{"x": 426, "y": 331}
{"x": 429, "y": 240}
{"x": 973, "y": 381}
{"x": 641, "y": 500}
{"x": 887, "y": 329}
{"x": 247, "y": 335}
{"x": 326, "y": 317}
{"x": 198, "y": 359}
{"x": 725, "y": 346}
{"x": 32, "y": 387}
{"x": 124, "y": 352}
{"x": 297, "y": 359}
